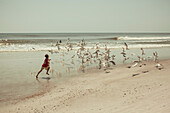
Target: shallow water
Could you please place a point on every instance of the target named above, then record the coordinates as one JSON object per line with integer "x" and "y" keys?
{"x": 18, "y": 70}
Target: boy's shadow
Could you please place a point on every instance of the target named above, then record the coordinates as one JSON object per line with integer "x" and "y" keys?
{"x": 47, "y": 78}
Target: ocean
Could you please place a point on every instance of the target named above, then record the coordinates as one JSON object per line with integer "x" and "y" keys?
{"x": 47, "y": 41}
{"x": 22, "y": 55}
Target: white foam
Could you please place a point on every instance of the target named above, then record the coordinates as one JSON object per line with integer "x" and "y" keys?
{"x": 143, "y": 38}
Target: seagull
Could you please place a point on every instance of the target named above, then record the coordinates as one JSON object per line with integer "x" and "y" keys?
{"x": 155, "y": 54}
{"x": 100, "y": 63}
{"x": 123, "y": 52}
{"x": 139, "y": 58}
{"x": 126, "y": 58}
{"x": 73, "y": 56}
{"x": 142, "y": 51}
{"x": 113, "y": 57}
{"x": 135, "y": 64}
{"x": 159, "y": 66}
{"x": 112, "y": 62}
{"x": 105, "y": 47}
{"x": 126, "y": 46}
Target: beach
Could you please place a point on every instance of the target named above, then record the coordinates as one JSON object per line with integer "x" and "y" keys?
{"x": 89, "y": 72}
{"x": 89, "y": 56}
{"x": 101, "y": 92}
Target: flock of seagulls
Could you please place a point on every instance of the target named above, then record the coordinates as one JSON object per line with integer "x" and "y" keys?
{"x": 103, "y": 58}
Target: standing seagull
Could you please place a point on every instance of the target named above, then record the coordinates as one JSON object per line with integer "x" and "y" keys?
{"x": 142, "y": 51}
{"x": 123, "y": 52}
{"x": 155, "y": 54}
{"x": 58, "y": 45}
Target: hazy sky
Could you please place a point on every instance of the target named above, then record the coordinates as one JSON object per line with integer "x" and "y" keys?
{"x": 84, "y": 16}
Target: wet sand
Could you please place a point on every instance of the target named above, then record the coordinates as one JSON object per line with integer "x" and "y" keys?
{"x": 126, "y": 90}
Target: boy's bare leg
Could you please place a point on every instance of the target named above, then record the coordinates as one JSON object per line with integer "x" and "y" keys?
{"x": 48, "y": 70}
{"x": 39, "y": 73}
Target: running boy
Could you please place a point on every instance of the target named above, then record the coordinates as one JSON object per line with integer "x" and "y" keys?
{"x": 45, "y": 65}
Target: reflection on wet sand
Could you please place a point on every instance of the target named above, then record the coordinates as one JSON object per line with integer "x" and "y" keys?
{"x": 44, "y": 83}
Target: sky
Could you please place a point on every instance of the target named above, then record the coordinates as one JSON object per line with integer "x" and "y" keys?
{"x": 55, "y": 16}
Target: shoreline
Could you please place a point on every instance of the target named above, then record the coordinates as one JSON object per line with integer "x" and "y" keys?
{"x": 91, "y": 48}
{"x": 90, "y": 89}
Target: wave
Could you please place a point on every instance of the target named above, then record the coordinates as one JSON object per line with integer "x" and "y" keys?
{"x": 141, "y": 38}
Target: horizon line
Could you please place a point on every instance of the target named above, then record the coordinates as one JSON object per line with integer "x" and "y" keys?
{"x": 76, "y": 32}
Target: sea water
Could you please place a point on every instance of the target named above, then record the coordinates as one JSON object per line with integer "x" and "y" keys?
{"x": 21, "y": 57}
{"x": 47, "y": 41}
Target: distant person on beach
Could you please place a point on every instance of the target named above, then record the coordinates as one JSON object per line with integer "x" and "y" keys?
{"x": 60, "y": 41}
{"x": 45, "y": 65}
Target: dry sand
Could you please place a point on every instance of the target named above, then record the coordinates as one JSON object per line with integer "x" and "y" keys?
{"x": 113, "y": 92}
